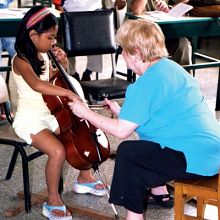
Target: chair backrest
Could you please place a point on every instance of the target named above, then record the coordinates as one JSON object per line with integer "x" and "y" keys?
{"x": 88, "y": 32}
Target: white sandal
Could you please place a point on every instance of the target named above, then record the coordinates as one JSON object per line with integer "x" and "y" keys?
{"x": 83, "y": 188}
{"x": 48, "y": 212}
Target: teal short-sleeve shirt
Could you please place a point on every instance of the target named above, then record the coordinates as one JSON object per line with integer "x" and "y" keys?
{"x": 167, "y": 104}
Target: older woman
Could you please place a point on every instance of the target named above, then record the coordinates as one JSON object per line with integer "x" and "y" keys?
{"x": 179, "y": 135}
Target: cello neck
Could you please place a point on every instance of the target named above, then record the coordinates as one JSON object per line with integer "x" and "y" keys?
{"x": 62, "y": 72}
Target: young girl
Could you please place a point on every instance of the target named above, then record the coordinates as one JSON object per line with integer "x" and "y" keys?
{"x": 33, "y": 121}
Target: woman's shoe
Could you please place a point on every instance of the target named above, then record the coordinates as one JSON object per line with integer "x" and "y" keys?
{"x": 83, "y": 188}
{"x": 164, "y": 200}
{"x": 48, "y": 212}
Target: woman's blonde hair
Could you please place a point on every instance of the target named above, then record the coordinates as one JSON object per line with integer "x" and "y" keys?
{"x": 142, "y": 37}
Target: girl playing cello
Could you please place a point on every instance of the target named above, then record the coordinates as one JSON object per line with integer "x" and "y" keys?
{"x": 33, "y": 121}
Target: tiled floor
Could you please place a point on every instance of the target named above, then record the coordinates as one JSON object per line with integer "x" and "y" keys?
{"x": 8, "y": 189}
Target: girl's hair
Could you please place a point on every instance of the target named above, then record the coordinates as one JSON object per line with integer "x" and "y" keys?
{"x": 142, "y": 36}
{"x": 38, "y": 18}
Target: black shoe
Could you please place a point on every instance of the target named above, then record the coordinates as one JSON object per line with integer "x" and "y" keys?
{"x": 76, "y": 76}
{"x": 86, "y": 75}
{"x": 161, "y": 200}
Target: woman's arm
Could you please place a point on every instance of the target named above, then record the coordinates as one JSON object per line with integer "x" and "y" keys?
{"x": 117, "y": 127}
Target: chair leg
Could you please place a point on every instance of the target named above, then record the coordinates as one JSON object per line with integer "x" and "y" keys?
{"x": 200, "y": 207}
{"x": 218, "y": 208}
{"x": 179, "y": 202}
{"x": 8, "y": 72}
{"x": 12, "y": 164}
{"x": 26, "y": 184}
{"x": 96, "y": 75}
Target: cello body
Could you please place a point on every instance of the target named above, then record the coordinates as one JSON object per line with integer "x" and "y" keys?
{"x": 85, "y": 144}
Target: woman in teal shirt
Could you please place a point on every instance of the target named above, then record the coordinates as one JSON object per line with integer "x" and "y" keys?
{"x": 179, "y": 135}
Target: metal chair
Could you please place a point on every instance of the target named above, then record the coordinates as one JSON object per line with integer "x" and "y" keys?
{"x": 205, "y": 191}
{"x": 93, "y": 33}
{"x": 9, "y": 138}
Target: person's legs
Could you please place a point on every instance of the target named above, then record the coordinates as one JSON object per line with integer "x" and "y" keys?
{"x": 47, "y": 142}
{"x": 180, "y": 50}
{"x": 8, "y": 45}
{"x": 86, "y": 176}
{"x": 87, "y": 183}
{"x": 94, "y": 64}
{"x": 134, "y": 216}
{"x": 71, "y": 68}
{"x": 149, "y": 166}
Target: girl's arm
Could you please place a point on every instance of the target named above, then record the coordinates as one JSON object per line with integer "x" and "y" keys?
{"x": 23, "y": 68}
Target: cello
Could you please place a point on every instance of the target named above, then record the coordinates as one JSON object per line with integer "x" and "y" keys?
{"x": 86, "y": 146}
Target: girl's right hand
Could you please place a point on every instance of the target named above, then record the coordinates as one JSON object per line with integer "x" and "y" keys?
{"x": 113, "y": 106}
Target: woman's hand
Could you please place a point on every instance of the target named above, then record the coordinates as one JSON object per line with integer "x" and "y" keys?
{"x": 78, "y": 107}
{"x": 113, "y": 106}
{"x": 60, "y": 56}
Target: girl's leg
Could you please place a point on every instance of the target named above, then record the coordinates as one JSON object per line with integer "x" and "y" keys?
{"x": 47, "y": 142}
{"x": 86, "y": 176}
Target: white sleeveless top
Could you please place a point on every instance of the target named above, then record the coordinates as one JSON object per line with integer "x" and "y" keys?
{"x": 32, "y": 113}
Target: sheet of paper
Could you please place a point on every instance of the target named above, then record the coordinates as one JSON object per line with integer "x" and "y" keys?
{"x": 180, "y": 10}
{"x": 9, "y": 13}
{"x": 175, "y": 13}
{"x": 159, "y": 15}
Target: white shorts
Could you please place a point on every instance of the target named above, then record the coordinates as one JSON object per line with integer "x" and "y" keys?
{"x": 24, "y": 128}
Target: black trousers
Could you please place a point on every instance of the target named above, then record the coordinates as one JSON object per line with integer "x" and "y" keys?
{"x": 140, "y": 165}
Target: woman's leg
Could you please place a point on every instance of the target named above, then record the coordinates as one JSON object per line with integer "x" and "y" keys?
{"x": 134, "y": 216}
{"x": 141, "y": 165}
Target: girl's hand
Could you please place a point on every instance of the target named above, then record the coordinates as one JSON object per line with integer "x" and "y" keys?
{"x": 113, "y": 106}
{"x": 60, "y": 56}
{"x": 161, "y": 6}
